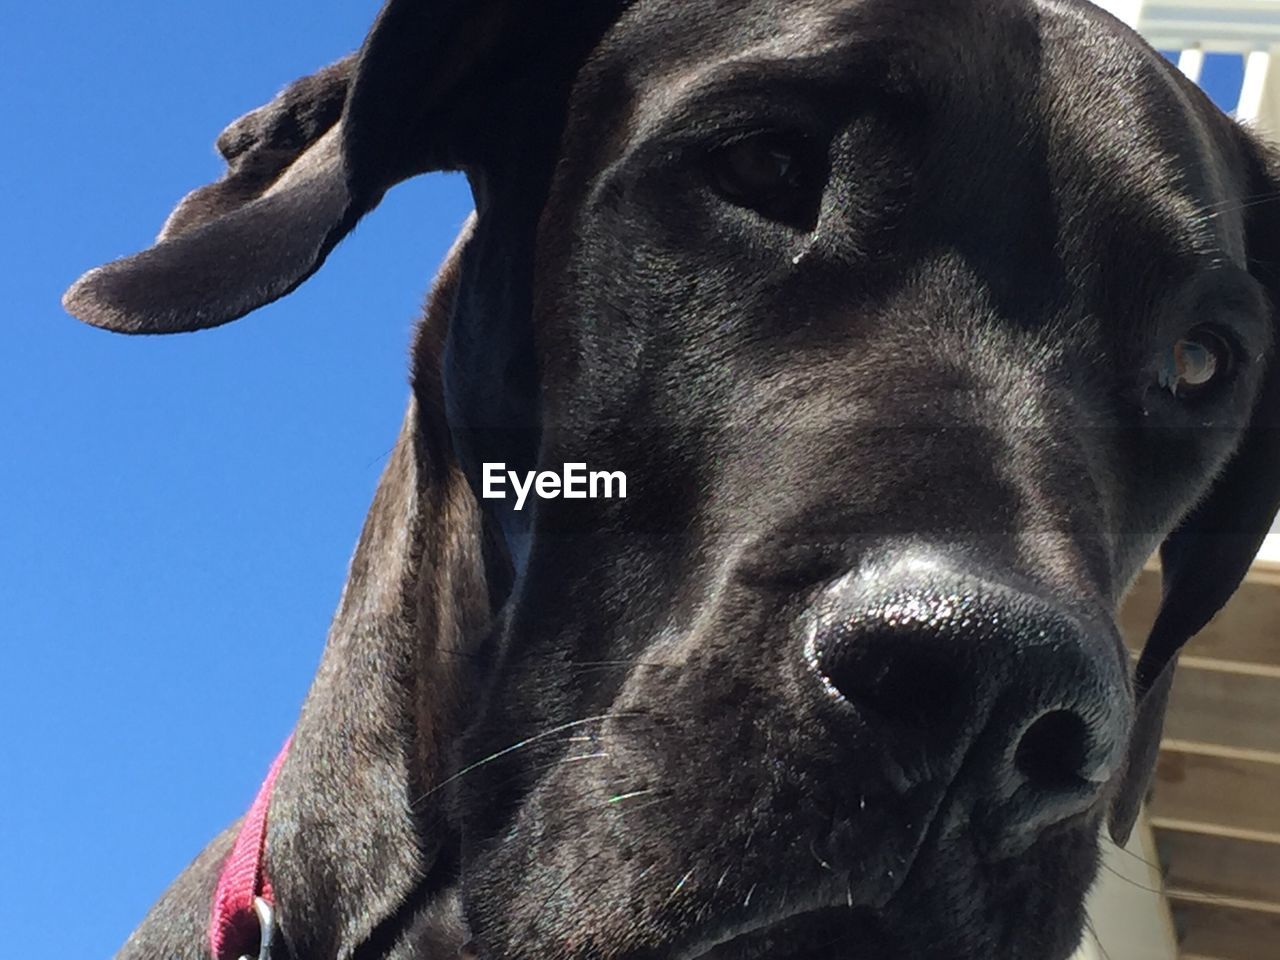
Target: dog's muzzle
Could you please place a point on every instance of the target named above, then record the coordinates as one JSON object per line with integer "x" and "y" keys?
{"x": 1023, "y": 705}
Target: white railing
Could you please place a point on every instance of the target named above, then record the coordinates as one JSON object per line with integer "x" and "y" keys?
{"x": 1247, "y": 28}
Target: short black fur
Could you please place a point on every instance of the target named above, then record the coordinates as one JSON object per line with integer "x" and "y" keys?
{"x": 627, "y": 729}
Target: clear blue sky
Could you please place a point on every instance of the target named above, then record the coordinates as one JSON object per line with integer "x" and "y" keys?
{"x": 176, "y": 514}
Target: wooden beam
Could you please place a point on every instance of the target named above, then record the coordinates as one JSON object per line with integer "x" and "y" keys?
{"x": 1219, "y": 750}
{"x": 1223, "y": 707}
{"x": 1226, "y": 932}
{"x": 1238, "y": 667}
{"x": 1214, "y": 830}
{"x": 1247, "y": 630}
{"x": 1226, "y": 903}
{"x": 1220, "y": 866}
{"x": 1231, "y": 791}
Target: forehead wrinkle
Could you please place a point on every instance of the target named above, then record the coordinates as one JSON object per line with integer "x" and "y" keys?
{"x": 871, "y": 45}
{"x": 676, "y": 90}
{"x": 917, "y": 48}
{"x": 646, "y": 67}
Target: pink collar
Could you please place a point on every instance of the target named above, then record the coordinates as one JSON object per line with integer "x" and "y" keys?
{"x": 241, "y": 923}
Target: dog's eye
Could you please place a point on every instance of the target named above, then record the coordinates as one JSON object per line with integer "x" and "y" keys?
{"x": 771, "y": 173}
{"x": 1195, "y": 363}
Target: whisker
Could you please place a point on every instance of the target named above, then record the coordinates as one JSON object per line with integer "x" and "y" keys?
{"x": 520, "y": 746}
{"x": 544, "y": 766}
{"x": 678, "y": 887}
{"x": 585, "y": 756}
{"x": 628, "y": 662}
{"x": 1211, "y": 210}
{"x": 814, "y": 853}
{"x": 662, "y": 798}
{"x": 1141, "y": 859}
{"x": 1093, "y": 930}
{"x": 1129, "y": 880}
{"x": 635, "y": 793}
{"x": 459, "y": 653}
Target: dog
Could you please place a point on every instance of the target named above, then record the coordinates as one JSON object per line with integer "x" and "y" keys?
{"x": 916, "y": 326}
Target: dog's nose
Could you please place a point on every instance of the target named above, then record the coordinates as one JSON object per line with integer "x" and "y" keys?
{"x": 1024, "y": 705}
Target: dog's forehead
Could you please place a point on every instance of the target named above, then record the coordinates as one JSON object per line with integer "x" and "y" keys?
{"x": 677, "y": 35}
{"x": 666, "y": 44}
{"x": 681, "y": 29}
{"x": 1016, "y": 72}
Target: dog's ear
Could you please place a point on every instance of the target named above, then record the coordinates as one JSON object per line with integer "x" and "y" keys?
{"x": 250, "y": 237}
{"x": 423, "y": 93}
{"x": 263, "y": 144}
{"x": 1205, "y": 559}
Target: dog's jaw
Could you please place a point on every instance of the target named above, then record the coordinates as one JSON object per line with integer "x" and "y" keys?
{"x": 918, "y": 921}
{"x": 889, "y": 882}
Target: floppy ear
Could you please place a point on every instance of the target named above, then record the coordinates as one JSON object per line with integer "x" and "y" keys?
{"x": 418, "y": 96}
{"x": 261, "y": 146}
{"x": 248, "y": 238}
{"x": 1205, "y": 559}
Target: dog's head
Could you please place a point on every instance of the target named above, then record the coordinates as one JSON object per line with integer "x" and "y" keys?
{"x": 915, "y": 327}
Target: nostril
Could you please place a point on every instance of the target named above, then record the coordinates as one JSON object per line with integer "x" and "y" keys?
{"x": 898, "y": 679}
{"x": 1053, "y": 752}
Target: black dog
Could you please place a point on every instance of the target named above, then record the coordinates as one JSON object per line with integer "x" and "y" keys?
{"x": 916, "y": 326}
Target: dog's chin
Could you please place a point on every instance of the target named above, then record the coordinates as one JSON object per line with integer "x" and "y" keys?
{"x": 847, "y": 933}
{"x": 866, "y": 933}
{"x": 947, "y": 906}
{"x": 760, "y": 869}
{"x": 935, "y": 915}
{"x": 837, "y": 933}
{"x": 832, "y": 933}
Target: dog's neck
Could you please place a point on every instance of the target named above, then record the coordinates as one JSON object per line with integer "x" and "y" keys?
{"x": 359, "y": 834}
